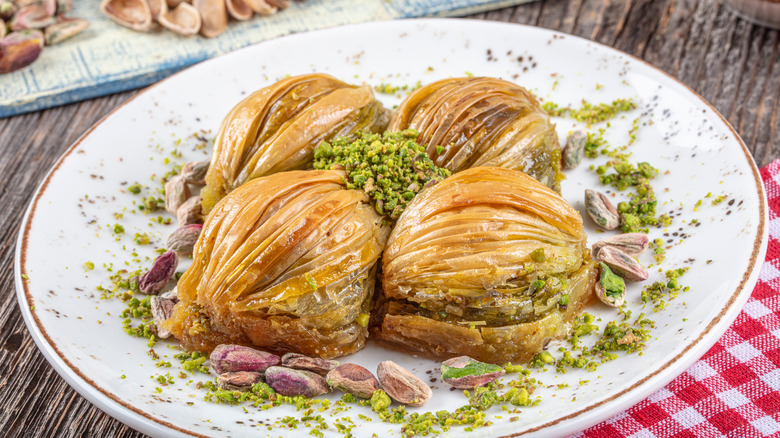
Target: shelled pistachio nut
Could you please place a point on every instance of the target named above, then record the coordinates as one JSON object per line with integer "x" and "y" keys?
{"x": 622, "y": 264}
{"x": 190, "y": 212}
{"x": 353, "y": 379}
{"x": 313, "y": 364}
{"x": 632, "y": 244}
{"x": 176, "y": 193}
{"x": 238, "y": 380}
{"x": 162, "y": 270}
{"x": 610, "y": 289}
{"x": 64, "y": 29}
{"x": 466, "y": 373}
{"x": 182, "y": 241}
{"x": 31, "y": 17}
{"x": 574, "y": 149}
{"x": 195, "y": 172}
{"x": 290, "y": 382}
{"x": 229, "y": 357}
{"x": 403, "y": 386}
{"x": 601, "y": 210}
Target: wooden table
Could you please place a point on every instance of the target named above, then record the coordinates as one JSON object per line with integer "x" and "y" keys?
{"x": 732, "y": 63}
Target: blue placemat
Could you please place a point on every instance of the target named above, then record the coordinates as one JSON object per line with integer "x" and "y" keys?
{"x": 107, "y": 58}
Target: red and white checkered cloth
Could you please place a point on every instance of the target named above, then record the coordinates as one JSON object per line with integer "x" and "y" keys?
{"x": 734, "y": 390}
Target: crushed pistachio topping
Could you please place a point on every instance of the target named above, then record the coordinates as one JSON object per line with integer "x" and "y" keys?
{"x": 391, "y": 168}
{"x": 659, "y": 293}
{"x": 591, "y": 113}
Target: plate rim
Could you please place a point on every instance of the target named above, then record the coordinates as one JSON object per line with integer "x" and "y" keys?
{"x": 150, "y": 424}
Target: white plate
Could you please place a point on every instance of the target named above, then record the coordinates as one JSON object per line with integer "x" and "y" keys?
{"x": 67, "y": 223}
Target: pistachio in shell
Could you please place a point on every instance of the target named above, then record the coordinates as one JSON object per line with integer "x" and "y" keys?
{"x": 64, "y": 29}
{"x": 610, "y": 289}
{"x": 290, "y": 382}
{"x": 19, "y": 49}
{"x": 464, "y": 372}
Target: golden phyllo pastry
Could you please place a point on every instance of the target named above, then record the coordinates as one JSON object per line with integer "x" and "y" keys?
{"x": 488, "y": 263}
{"x": 285, "y": 262}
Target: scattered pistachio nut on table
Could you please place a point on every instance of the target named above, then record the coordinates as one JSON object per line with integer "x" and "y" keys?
{"x": 464, "y": 372}
{"x": 163, "y": 268}
{"x": 574, "y": 148}
{"x": 353, "y": 379}
{"x": 229, "y": 357}
{"x": 622, "y": 264}
{"x": 314, "y": 364}
{"x": 208, "y": 18}
{"x": 290, "y": 382}
{"x": 610, "y": 289}
{"x": 403, "y": 386}
{"x": 26, "y": 26}
{"x": 601, "y": 210}
{"x": 632, "y": 244}
{"x": 238, "y": 380}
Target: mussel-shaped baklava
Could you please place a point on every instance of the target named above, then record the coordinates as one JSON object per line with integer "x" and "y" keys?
{"x": 276, "y": 129}
{"x": 285, "y": 262}
{"x": 479, "y": 121}
{"x": 488, "y": 263}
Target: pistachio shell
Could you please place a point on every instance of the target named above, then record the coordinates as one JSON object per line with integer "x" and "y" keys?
{"x": 20, "y": 49}
{"x": 31, "y": 17}
{"x": 213, "y": 17}
{"x": 134, "y": 14}
{"x": 184, "y": 20}
{"x": 158, "y": 8}
{"x": 239, "y": 9}
{"x": 50, "y": 6}
{"x": 64, "y": 29}
{"x": 281, "y": 4}
{"x": 261, "y": 7}
{"x": 173, "y": 3}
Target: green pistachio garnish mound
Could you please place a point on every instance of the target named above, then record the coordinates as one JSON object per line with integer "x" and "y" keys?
{"x": 391, "y": 168}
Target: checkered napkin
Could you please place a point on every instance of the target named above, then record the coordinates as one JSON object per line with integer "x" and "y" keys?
{"x": 734, "y": 390}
